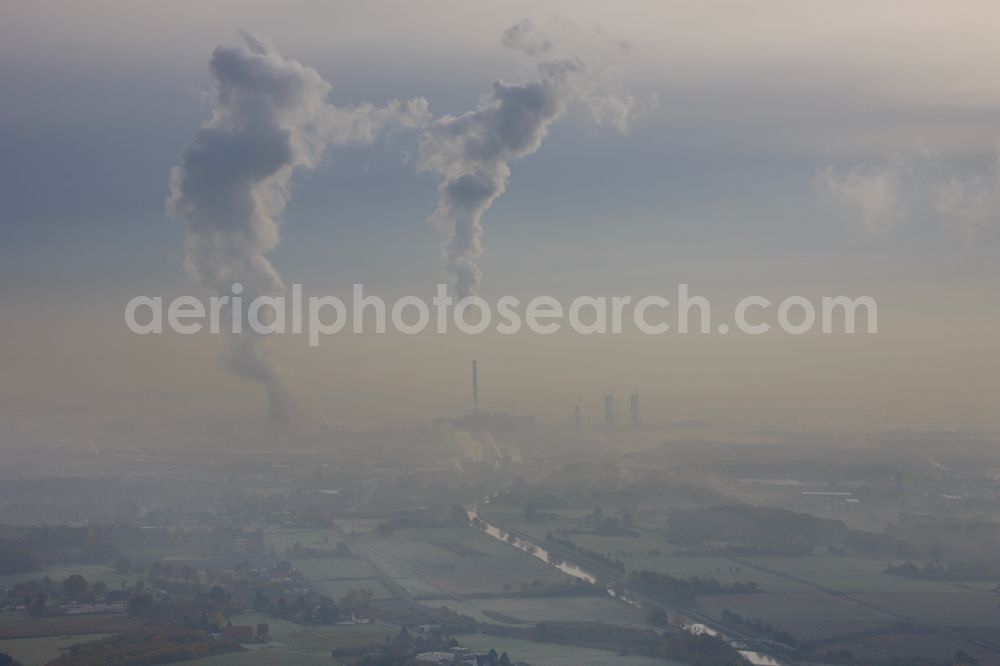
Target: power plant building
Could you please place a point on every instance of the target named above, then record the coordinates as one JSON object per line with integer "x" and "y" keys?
{"x": 478, "y": 419}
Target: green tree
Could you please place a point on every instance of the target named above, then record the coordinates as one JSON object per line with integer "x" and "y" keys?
{"x": 73, "y": 586}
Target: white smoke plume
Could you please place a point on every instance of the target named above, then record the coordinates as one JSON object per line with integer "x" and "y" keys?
{"x": 272, "y": 118}
{"x": 472, "y": 152}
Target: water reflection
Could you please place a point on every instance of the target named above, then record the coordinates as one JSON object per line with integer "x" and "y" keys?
{"x": 575, "y": 571}
{"x": 536, "y": 551}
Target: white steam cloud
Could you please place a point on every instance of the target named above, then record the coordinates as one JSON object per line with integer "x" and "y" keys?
{"x": 869, "y": 192}
{"x": 271, "y": 119}
{"x": 972, "y": 203}
{"x": 885, "y": 196}
{"x": 472, "y": 152}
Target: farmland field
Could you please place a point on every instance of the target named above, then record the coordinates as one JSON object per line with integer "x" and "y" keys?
{"x": 39, "y": 651}
{"x": 324, "y": 568}
{"x": 424, "y": 567}
{"x": 265, "y": 657}
{"x": 863, "y": 579}
{"x": 18, "y": 625}
{"x": 548, "y": 654}
{"x": 806, "y": 615}
{"x": 337, "y": 588}
{"x": 447, "y": 566}
{"x": 568, "y": 609}
{"x": 297, "y": 645}
{"x": 719, "y": 568}
{"x": 282, "y": 538}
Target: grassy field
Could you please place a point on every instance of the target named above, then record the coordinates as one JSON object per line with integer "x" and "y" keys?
{"x": 296, "y": 645}
{"x": 863, "y": 579}
{"x": 713, "y": 567}
{"x": 336, "y": 589}
{"x": 809, "y": 613}
{"x": 845, "y": 574}
{"x": 622, "y": 546}
{"x": 359, "y": 525}
{"x": 938, "y": 603}
{"x": 806, "y": 615}
{"x": 569, "y": 609}
{"x": 265, "y": 657}
{"x": 17, "y": 625}
{"x": 284, "y": 537}
{"x": 427, "y": 561}
{"x": 547, "y": 654}
{"x": 333, "y": 568}
{"x": 39, "y": 651}
{"x": 303, "y": 649}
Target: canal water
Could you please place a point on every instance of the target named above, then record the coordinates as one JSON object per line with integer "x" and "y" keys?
{"x": 570, "y": 569}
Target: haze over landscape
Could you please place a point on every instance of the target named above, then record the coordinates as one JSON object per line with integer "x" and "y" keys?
{"x": 713, "y": 497}
{"x": 722, "y": 184}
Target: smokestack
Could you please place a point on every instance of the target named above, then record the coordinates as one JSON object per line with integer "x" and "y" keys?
{"x": 633, "y": 409}
{"x": 609, "y": 410}
{"x": 475, "y": 385}
{"x": 578, "y": 416}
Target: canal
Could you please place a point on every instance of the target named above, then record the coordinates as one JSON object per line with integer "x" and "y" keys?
{"x": 689, "y": 624}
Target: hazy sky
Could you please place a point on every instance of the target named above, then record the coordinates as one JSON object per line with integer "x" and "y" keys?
{"x": 796, "y": 148}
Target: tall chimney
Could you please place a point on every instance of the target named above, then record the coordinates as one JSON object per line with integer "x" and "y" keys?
{"x": 609, "y": 410}
{"x": 475, "y": 385}
{"x": 633, "y": 409}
